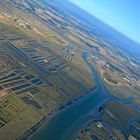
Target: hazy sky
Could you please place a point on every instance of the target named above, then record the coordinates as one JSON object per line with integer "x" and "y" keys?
{"x": 123, "y": 15}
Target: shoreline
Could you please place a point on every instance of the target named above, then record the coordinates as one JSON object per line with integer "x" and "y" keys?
{"x": 45, "y": 119}
{"x": 29, "y": 133}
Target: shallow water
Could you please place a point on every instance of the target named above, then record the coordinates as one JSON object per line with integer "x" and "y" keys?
{"x": 65, "y": 124}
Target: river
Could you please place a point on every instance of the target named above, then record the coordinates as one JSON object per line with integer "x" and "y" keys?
{"x": 65, "y": 124}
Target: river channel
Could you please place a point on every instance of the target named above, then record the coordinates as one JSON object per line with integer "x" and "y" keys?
{"x": 65, "y": 124}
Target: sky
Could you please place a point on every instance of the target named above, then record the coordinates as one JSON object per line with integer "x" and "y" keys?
{"x": 123, "y": 15}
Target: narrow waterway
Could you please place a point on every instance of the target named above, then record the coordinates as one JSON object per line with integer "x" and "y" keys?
{"x": 65, "y": 124}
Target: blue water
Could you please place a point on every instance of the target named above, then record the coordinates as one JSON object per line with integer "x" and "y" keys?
{"x": 66, "y": 123}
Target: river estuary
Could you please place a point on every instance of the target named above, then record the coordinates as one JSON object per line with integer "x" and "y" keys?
{"x": 65, "y": 124}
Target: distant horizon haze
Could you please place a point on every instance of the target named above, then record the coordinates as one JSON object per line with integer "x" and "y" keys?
{"x": 122, "y": 15}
